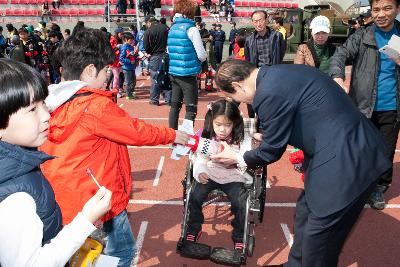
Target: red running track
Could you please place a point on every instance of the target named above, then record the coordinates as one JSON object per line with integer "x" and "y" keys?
{"x": 155, "y": 210}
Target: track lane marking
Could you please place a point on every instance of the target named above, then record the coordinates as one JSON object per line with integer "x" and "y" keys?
{"x": 288, "y": 235}
{"x": 139, "y": 242}
{"x": 159, "y": 170}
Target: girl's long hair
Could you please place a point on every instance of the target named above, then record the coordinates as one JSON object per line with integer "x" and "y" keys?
{"x": 232, "y": 112}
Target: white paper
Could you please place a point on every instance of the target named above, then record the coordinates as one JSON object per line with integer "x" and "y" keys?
{"x": 180, "y": 150}
{"x": 106, "y": 261}
{"x": 392, "y": 49}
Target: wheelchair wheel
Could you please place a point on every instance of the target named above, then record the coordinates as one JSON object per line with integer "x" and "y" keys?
{"x": 250, "y": 245}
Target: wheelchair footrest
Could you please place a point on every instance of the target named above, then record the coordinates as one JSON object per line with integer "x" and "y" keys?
{"x": 226, "y": 256}
{"x": 195, "y": 250}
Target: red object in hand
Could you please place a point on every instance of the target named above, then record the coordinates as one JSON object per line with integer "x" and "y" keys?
{"x": 193, "y": 147}
{"x": 296, "y": 157}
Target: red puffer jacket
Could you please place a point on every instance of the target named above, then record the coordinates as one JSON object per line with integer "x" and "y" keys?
{"x": 91, "y": 131}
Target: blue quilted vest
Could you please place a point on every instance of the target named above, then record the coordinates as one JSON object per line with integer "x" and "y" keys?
{"x": 20, "y": 172}
{"x": 183, "y": 59}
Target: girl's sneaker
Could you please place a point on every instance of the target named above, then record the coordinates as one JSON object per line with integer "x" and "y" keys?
{"x": 193, "y": 237}
{"x": 238, "y": 246}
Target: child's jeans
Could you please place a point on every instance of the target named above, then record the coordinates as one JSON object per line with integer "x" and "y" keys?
{"x": 130, "y": 81}
{"x": 120, "y": 240}
{"x": 237, "y": 195}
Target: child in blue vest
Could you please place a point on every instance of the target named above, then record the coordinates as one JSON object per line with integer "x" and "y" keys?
{"x": 31, "y": 230}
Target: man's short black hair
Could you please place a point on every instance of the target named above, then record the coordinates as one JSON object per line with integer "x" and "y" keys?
{"x": 372, "y": 1}
{"x": 233, "y": 70}
{"x": 85, "y": 47}
{"x": 42, "y": 23}
{"x": 103, "y": 29}
{"x": 1, "y": 28}
{"x": 55, "y": 27}
{"x": 259, "y": 11}
{"x": 9, "y": 27}
{"x": 67, "y": 31}
{"x": 22, "y": 29}
{"x": 55, "y": 34}
{"x": 163, "y": 21}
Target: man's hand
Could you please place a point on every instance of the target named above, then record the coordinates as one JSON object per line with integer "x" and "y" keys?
{"x": 181, "y": 137}
{"x": 341, "y": 84}
{"x": 396, "y": 60}
{"x": 227, "y": 157}
{"x": 203, "y": 178}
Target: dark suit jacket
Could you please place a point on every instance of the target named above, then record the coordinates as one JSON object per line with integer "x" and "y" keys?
{"x": 344, "y": 153}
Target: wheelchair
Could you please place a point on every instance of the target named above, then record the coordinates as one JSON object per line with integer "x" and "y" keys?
{"x": 255, "y": 203}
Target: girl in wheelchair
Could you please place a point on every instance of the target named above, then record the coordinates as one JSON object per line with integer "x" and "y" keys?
{"x": 223, "y": 122}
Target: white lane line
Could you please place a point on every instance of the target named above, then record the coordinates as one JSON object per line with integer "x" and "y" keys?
{"x": 267, "y": 184}
{"x": 288, "y": 235}
{"x": 139, "y": 242}
{"x": 159, "y": 169}
{"x": 121, "y": 105}
{"x": 270, "y": 205}
{"x": 148, "y": 78}
{"x": 141, "y": 84}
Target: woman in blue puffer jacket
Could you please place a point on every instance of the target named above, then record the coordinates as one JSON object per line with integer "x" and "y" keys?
{"x": 186, "y": 52}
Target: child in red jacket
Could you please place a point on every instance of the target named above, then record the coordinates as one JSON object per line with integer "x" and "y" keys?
{"x": 89, "y": 130}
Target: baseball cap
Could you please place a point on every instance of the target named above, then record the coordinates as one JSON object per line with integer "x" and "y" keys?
{"x": 320, "y": 24}
{"x": 119, "y": 30}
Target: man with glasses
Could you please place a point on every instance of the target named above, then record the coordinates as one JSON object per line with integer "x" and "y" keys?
{"x": 265, "y": 46}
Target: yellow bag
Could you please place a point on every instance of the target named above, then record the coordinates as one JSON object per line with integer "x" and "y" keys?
{"x": 88, "y": 252}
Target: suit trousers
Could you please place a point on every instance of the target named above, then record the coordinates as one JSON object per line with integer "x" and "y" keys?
{"x": 319, "y": 241}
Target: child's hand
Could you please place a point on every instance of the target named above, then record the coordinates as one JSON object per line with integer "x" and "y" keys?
{"x": 98, "y": 205}
{"x": 257, "y": 136}
{"x": 203, "y": 178}
{"x": 227, "y": 157}
{"x": 181, "y": 137}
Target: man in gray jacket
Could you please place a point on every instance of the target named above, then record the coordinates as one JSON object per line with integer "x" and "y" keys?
{"x": 375, "y": 80}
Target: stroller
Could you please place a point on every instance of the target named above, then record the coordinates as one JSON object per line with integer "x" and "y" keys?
{"x": 255, "y": 203}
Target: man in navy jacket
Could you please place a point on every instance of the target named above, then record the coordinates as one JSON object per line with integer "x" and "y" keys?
{"x": 344, "y": 153}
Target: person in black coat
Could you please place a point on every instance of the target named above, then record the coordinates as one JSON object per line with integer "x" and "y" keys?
{"x": 218, "y": 40}
{"x": 344, "y": 153}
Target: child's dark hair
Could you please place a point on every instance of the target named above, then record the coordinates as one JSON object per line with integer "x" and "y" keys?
{"x": 241, "y": 39}
{"x": 85, "y": 47}
{"x": 20, "y": 85}
{"x": 232, "y": 112}
{"x": 127, "y": 36}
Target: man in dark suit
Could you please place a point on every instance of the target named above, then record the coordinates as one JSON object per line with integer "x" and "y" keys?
{"x": 344, "y": 153}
